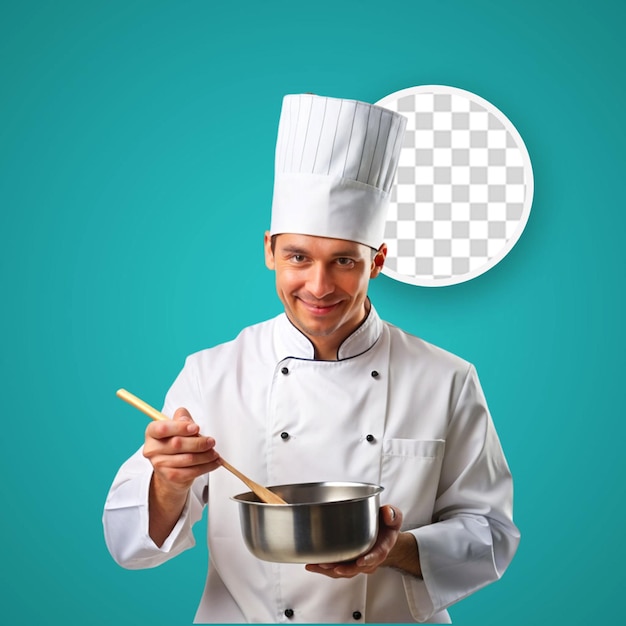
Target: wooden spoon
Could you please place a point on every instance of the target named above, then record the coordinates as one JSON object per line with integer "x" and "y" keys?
{"x": 264, "y": 494}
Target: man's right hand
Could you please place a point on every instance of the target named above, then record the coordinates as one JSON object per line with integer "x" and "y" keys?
{"x": 179, "y": 454}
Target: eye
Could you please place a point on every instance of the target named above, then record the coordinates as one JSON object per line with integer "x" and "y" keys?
{"x": 298, "y": 258}
{"x": 345, "y": 262}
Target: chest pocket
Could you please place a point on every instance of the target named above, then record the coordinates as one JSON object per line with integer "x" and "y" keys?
{"x": 410, "y": 475}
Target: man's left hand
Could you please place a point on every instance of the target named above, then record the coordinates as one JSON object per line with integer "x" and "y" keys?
{"x": 388, "y": 532}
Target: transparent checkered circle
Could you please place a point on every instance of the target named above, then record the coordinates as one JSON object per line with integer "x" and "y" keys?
{"x": 463, "y": 191}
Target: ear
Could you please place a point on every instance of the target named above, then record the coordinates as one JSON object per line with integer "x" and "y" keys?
{"x": 269, "y": 255}
{"x": 378, "y": 261}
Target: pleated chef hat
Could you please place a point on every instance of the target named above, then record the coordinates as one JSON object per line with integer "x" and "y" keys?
{"x": 335, "y": 163}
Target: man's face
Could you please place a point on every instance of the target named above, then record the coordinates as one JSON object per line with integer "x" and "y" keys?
{"x": 323, "y": 283}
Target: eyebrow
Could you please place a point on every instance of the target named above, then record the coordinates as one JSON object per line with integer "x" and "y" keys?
{"x": 291, "y": 249}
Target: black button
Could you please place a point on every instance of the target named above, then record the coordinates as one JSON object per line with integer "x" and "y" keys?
{"x": 370, "y": 438}
{"x": 284, "y": 370}
{"x": 284, "y": 436}
{"x": 289, "y": 613}
{"x": 357, "y": 615}
{"x": 374, "y": 374}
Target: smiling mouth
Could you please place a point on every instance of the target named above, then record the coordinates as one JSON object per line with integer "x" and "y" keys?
{"x": 319, "y": 309}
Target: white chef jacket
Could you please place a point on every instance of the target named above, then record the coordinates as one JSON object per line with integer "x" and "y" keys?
{"x": 283, "y": 417}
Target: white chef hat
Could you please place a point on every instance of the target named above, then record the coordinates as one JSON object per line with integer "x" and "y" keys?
{"x": 335, "y": 162}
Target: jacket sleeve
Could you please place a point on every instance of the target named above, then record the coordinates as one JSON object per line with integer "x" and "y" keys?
{"x": 472, "y": 538}
{"x": 125, "y": 518}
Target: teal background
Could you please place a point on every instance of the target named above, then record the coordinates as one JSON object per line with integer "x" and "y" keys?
{"x": 136, "y": 156}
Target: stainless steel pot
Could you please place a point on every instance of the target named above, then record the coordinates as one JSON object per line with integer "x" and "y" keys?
{"x": 323, "y": 522}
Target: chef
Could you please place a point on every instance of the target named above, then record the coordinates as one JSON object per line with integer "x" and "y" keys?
{"x": 326, "y": 391}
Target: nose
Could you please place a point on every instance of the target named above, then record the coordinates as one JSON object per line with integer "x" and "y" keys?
{"x": 319, "y": 281}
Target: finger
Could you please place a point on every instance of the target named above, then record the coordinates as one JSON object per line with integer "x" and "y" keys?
{"x": 372, "y": 559}
{"x": 391, "y": 516}
{"x": 339, "y": 568}
{"x": 347, "y": 571}
{"x": 185, "y": 459}
{"x": 179, "y": 446}
{"x": 187, "y": 444}
{"x": 336, "y": 572}
{"x": 171, "y": 428}
{"x": 182, "y": 415}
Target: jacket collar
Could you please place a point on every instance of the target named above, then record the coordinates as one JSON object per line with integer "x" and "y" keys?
{"x": 291, "y": 342}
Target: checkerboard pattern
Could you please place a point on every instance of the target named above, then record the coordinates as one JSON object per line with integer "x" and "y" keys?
{"x": 463, "y": 189}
